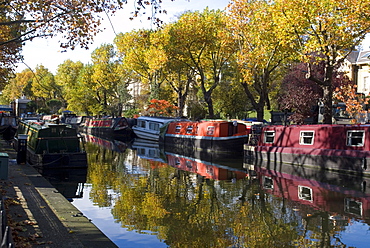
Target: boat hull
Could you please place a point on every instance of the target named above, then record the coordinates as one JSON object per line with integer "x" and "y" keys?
{"x": 57, "y": 160}
{"x": 111, "y": 127}
{"x": 146, "y": 134}
{"x": 207, "y": 144}
{"x": 355, "y": 162}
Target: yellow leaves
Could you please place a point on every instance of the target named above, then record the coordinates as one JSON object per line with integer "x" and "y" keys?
{"x": 152, "y": 206}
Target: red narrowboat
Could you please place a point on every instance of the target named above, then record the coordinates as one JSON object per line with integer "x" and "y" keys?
{"x": 343, "y": 148}
{"x": 208, "y": 135}
{"x": 108, "y": 126}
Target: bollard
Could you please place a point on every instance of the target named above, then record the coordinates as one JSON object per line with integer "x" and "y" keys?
{"x": 21, "y": 141}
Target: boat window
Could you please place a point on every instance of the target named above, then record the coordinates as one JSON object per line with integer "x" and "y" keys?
{"x": 177, "y": 129}
{"x": 189, "y": 129}
{"x": 352, "y": 206}
{"x": 269, "y": 136}
{"x": 306, "y": 137}
{"x": 355, "y": 138}
{"x": 210, "y": 130}
{"x": 154, "y": 126}
{"x": 141, "y": 124}
{"x": 268, "y": 183}
{"x": 305, "y": 193}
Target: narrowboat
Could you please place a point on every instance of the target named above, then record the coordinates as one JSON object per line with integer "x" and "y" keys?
{"x": 8, "y": 126}
{"x": 220, "y": 136}
{"x": 52, "y": 145}
{"x": 343, "y": 148}
{"x": 108, "y": 126}
{"x": 149, "y": 127}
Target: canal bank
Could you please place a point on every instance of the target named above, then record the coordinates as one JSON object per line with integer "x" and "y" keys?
{"x": 39, "y": 215}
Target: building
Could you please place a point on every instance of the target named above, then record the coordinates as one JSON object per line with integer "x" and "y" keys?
{"x": 358, "y": 66}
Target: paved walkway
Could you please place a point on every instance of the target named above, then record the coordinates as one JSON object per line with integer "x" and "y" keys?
{"x": 40, "y": 215}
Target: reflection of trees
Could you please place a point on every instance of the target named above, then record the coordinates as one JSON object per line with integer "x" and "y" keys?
{"x": 187, "y": 210}
{"x": 103, "y": 174}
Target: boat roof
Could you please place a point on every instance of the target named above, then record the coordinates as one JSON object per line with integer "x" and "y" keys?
{"x": 160, "y": 118}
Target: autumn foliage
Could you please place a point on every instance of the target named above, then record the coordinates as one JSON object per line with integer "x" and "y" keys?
{"x": 354, "y": 102}
{"x": 161, "y": 108}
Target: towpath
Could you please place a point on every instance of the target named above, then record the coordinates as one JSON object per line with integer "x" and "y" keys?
{"x": 39, "y": 216}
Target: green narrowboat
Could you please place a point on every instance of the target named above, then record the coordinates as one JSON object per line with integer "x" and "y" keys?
{"x": 53, "y": 145}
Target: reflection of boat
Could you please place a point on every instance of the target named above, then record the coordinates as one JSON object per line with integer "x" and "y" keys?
{"x": 52, "y": 145}
{"x": 148, "y": 127}
{"x": 207, "y": 164}
{"x": 69, "y": 182}
{"x": 318, "y": 189}
{"x": 217, "y": 169}
{"x": 332, "y": 147}
{"x": 109, "y": 143}
{"x": 119, "y": 126}
{"x": 148, "y": 149}
{"x": 209, "y": 135}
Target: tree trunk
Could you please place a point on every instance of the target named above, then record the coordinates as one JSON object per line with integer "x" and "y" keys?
{"x": 328, "y": 104}
{"x": 181, "y": 104}
{"x": 208, "y": 100}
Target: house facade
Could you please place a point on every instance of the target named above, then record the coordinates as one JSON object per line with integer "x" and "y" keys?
{"x": 358, "y": 66}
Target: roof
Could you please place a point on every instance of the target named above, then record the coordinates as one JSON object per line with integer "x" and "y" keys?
{"x": 359, "y": 57}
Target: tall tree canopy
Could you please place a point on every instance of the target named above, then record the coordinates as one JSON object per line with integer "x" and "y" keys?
{"x": 329, "y": 28}
{"x": 261, "y": 56}
{"x": 200, "y": 41}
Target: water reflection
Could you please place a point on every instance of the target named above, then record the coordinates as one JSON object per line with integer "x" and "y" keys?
{"x": 68, "y": 181}
{"x": 207, "y": 201}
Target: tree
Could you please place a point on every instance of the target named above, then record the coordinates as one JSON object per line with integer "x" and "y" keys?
{"x": 328, "y": 28}
{"x": 200, "y": 41}
{"x": 138, "y": 54}
{"x": 261, "y": 56}
{"x": 19, "y": 86}
{"x": 302, "y": 96}
{"x": 82, "y": 99}
{"x": 105, "y": 78}
{"x": 66, "y": 78}
{"x": 43, "y": 85}
{"x": 75, "y": 23}
{"x": 177, "y": 74}
{"x": 161, "y": 108}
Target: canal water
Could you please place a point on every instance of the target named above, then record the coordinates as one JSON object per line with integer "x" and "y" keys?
{"x": 142, "y": 196}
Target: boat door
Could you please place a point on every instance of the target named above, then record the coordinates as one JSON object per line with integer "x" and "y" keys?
{"x": 233, "y": 128}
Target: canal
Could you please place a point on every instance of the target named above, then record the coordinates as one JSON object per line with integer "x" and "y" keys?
{"x": 140, "y": 196}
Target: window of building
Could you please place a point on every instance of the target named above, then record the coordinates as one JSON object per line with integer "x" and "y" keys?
{"x": 355, "y": 137}
{"x": 269, "y": 136}
{"x": 306, "y": 137}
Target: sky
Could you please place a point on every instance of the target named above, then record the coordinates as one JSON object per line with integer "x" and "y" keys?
{"x": 47, "y": 52}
